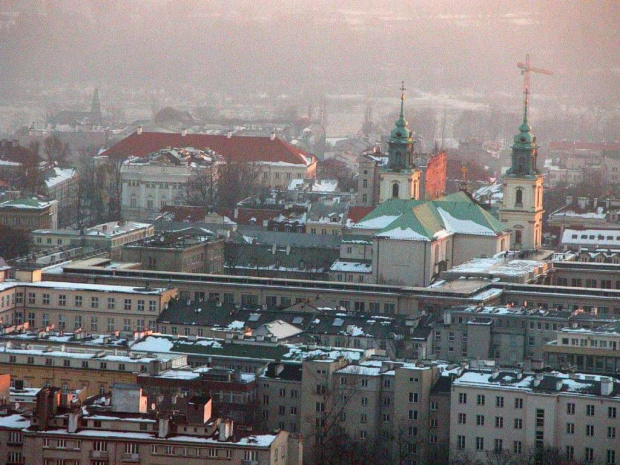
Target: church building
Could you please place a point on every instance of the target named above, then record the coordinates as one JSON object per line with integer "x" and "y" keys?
{"x": 522, "y": 207}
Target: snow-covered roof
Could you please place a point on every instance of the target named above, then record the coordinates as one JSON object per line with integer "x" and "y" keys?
{"x": 591, "y": 237}
{"x": 351, "y": 267}
{"x": 58, "y": 175}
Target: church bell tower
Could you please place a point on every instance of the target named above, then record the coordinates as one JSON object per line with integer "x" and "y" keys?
{"x": 400, "y": 179}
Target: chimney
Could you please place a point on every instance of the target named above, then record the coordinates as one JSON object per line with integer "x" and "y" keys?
{"x": 139, "y": 130}
{"x": 273, "y": 135}
{"x": 163, "y": 427}
{"x": 225, "y": 430}
{"x": 537, "y": 379}
{"x": 199, "y": 410}
{"x": 74, "y": 421}
{"x": 229, "y": 135}
{"x": 607, "y": 386}
{"x": 184, "y": 132}
{"x": 279, "y": 368}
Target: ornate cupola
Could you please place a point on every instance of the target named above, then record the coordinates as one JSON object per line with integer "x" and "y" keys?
{"x": 400, "y": 151}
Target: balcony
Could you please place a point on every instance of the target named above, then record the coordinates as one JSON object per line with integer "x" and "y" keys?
{"x": 98, "y": 454}
{"x": 131, "y": 458}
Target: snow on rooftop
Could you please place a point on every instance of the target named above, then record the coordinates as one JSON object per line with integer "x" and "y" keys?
{"x": 60, "y": 175}
{"x": 459, "y": 226}
{"x": 351, "y": 267}
{"x": 405, "y": 234}
{"x": 592, "y": 237}
{"x": 379, "y": 222}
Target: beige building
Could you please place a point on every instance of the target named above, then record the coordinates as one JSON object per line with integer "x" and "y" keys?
{"x": 29, "y": 213}
{"x": 89, "y": 307}
{"x": 509, "y": 412}
{"x": 72, "y": 369}
{"x": 381, "y": 408}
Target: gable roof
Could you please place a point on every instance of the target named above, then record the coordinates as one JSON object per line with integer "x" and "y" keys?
{"x": 425, "y": 221}
{"x": 237, "y": 148}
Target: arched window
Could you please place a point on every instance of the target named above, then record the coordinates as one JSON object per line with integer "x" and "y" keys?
{"x": 395, "y": 188}
{"x": 519, "y": 196}
{"x": 518, "y": 237}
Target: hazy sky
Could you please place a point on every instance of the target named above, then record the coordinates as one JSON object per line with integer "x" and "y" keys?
{"x": 315, "y": 46}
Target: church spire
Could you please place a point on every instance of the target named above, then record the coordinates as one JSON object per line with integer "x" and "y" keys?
{"x": 401, "y": 139}
{"x": 95, "y": 108}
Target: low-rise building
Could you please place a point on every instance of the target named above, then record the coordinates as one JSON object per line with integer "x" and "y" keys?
{"x": 190, "y": 250}
{"x": 586, "y": 350}
{"x": 29, "y": 213}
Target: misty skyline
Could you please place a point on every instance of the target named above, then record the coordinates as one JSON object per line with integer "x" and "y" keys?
{"x": 320, "y": 47}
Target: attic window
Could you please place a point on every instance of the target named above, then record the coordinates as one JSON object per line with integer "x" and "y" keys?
{"x": 298, "y": 320}
{"x": 574, "y": 236}
{"x": 338, "y": 322}
{"x": 584, "y": 236}
{"x": 591, "y": 236}
{"x": 610, "y": 238}
{"x": 254, "y": 317}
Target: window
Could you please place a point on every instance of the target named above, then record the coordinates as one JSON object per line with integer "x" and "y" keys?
{"x": 519, "y": 197}
{"x": 413, "y": 414}
{"x": 518, "y": 403}
{"x": 93, "y": 323}
{"x": 462, "y": 418}
{"x": 570, "y": 408}
{"x": 94, "y": 302}
{"x": 434, "y": 405}
{"x": 100, "y": 446}
{"x": 590, "y": 410}
{"x": 611, "y": 432}
{"x": 460, "y": 442}
{"x": 111, "y": 303}
{"x": 127, "y": 304}
{"x": 499, "y": 445}
{"x": 363, "y": 418}
{"x": 364, "y": 400}
{"x": 413, "y": 397}
{"x": 32, "y": 298}
{"x": 589, "y": 430}
{"x": 77, "y": 322}
{"x": 499, "y": 422}
{"x": 518, "y": 423}
{"x": 570, "y": 452}
{"x": 110, "y": 325}
{"x": 140, "y": 305}
{"x": 479, "y": 443}
{"x": 611, "y": 457}
{"x": 462, "y": 398}
{"x": 570, "y": 428}
{"x": 15, "y": 437}
{"x": 126, "y": 324}
{"x": 499, "y": 402}
{"x": 479, "y": 420}
{"x": 611, "y": 412}
{"x": 517, "y": 447}
{"x": 62, "y": 443}
{"x": 46, "y": 299}
{"x": 78, "y": 300}
{"x": 589, "y": 454}
{"x": 480, "y": 399}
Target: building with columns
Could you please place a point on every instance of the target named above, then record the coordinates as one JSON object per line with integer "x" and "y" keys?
{"x": 522, "y": 207}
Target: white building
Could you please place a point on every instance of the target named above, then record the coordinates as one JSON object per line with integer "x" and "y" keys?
{"x": 164, "y": 178}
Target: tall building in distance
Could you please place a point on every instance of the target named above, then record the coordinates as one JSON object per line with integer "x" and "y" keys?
{"x": 400, "y": 179}
{"x": 522, "y": 207}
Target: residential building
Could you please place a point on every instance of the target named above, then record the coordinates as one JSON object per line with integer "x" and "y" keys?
{"x": 90, "y": 307}
{"x": 327, "y": 217}
{"x": 91, "y": 370}
{"x": 61, "y": 184}
{"x": 109, "y": 236}
{"x": 513, "y": 413}
{"x": 586, "y": 350}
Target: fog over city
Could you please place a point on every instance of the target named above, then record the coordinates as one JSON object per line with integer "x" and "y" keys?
{"x": 193, "y": 50}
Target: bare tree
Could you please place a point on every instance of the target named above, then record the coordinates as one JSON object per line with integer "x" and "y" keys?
{"x": 236, "y": 181}
{"x": 55, "y": 150}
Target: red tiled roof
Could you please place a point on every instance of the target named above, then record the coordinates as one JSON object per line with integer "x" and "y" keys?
{"x": 571, "y": 146}
{"x": 358, "y": 212}
{"x": 238, "y": 148}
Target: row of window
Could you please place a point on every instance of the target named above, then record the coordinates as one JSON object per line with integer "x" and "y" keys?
{"x": 78, "y": 301}
{"x": 79, "y": 322}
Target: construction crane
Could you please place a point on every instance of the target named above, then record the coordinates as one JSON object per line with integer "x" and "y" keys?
{"x": 526, "y": 69}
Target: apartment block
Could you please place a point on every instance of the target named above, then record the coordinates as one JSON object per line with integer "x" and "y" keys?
{"x": 511, "y": 412}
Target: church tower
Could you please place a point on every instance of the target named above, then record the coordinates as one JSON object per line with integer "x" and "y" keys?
{"x": 400, "y": 179}
{"x": 522, "y": 206}
{"x": 95, "y": 109}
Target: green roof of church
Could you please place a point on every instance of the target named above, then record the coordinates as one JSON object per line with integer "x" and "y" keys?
{"x": 424, "y": 221}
